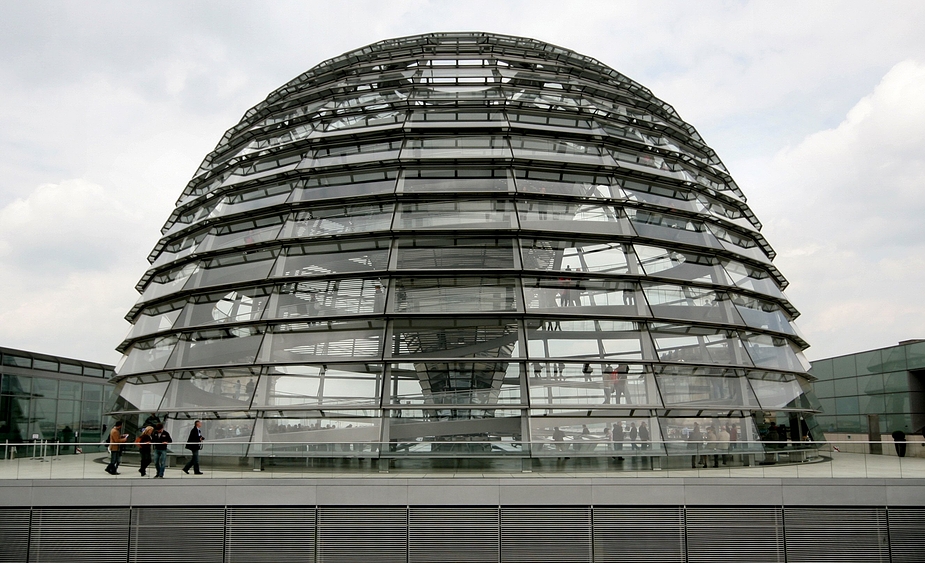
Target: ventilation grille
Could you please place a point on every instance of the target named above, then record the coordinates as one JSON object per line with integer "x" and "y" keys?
{"x": 536, "y": 534}
{"x": 837, "y": 535}
{"x": 353, "y": 534}
{"x": 906, "y": 528}
{"x": 458, "y": 534}
{"x": 735, "y": 534}
{"x": 638, "y": 535}
{"x": 177, "y": 535}
{"x": 258, "y": 534}
{"x": 72, "y": 535}
{"x": 14, "y": 535}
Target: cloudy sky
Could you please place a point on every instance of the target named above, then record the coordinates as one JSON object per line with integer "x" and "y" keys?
{"x": 107, "y": 108}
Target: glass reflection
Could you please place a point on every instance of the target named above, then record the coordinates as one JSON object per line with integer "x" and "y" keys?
{"x": 456, "y": 214}
{"x": 679, "y": 389}
{"x": 586, "y": 186}
{"x": 454, "y": 254}
{"x": 454, "y": 337}
{"x": 346, "y": 185}
{"x": 329, "y": 298}
{"x": 704, "y": 345}
{"x": 591, "y": 383}
{"x": 579, "y": 256}
{"x": 232, "y": 345}
{"x": 344, "y": 219}
{"x": 455, "y": 181}
{"x": 212, "y": 388}
{"x": 453, "y": 295}
{"x": 669, "y": 301}
{"x": 305, "y": 341}
{"x": 590, "y": 338}
{"x": 320, "y": 385}
{"x": 581, "y": 217}
{"x": 333, "y": 258}
{"x": 476, "y": 384}
{"x": 591, "y": 296}
{"x": 241, "y": 305}
{"x": 684, "y": 266}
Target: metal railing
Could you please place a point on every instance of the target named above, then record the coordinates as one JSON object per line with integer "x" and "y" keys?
{"x": 53, "y": 460}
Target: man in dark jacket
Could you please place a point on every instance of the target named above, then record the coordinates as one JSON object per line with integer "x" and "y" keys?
{"x": 194, "y": 444}
{"x": 160, "y": 439}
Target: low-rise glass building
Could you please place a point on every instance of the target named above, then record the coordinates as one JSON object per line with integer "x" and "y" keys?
{"x": 463, "y": 244}
{"x": 888, "y": 382}
{"x": 44, "y": 397}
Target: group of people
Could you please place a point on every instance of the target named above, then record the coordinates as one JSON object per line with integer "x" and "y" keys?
{"x": 153, "y": 440}
{"x": 712, "y": 440}
{"x": 614, "y": 438}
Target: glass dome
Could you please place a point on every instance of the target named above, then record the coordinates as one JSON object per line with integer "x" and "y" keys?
{"x": 462, "y": 245}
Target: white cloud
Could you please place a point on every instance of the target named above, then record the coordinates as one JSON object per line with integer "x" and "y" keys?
{"x": 70, "y": 254}
{"x": 846, "y": 207}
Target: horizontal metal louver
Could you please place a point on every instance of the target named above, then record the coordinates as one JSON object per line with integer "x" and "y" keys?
{"x": 906, "y": 527}
{"x": 72, "y": 535}
{"x": 177, "y": 535}
{"x": 353, "y": 534}
{"x": 555, "y": 534}
{"x": 838, "y": 535}
{"x": 734, "y": 534}
{"x": 638, "y": 534}
{"x": 14, "y": 535}
{"x": 455, "y": 534}
{"x": 271, "y": 534}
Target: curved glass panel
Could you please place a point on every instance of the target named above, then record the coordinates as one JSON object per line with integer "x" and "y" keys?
{"x": 333, "y": 258}
{"x": 683, "y": 266}
{"x": 454, "y": 254}
{"x": 579, "y": 256}
{"x": 669, "y": 301}
{"x": 453, "y": 295}
{"x": 328, "y": 298}
{"x": 340, "y": 220}
{"x": 345, "y": 185}
{"x": 235, "y": 268}
{"x": 588, "y": 338}
{"x": 584, "y": 186}
{"x": 456, "y": 337}
{"x": 217, "y": 346}
{"x": 478, "y": 385}
{"x": 698, "y": 345}
{"x": 456, "y": 214}
{"x": 584, "y": 296}
{"x": 320, "y": 386}
{"x": 611, "y": 385}
{"x": 214, "y": 389}
{"x": 240, "y": 305}
{"x": 306, "y": 341}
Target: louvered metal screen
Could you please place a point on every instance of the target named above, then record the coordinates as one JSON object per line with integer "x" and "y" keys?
{"x": 554, "y": 534}
{"x": 455, "y": 534}
{"x": 258, "y": 534}
{"x": 638, "y": 534}
{"x": 177, "y": 535}
{"x": 838, "y": 535}
{"x": 907, "y": 526}
{"x": 734, "y": 534}
{"x": 68, "y": 535}
{"x": 14, "y": 534}
{"x": 353, "y": 534}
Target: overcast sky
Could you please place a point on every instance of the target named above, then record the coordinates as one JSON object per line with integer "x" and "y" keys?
{"x": 107, "y": 108}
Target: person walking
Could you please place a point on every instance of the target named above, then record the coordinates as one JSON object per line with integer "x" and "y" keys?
{"x": 160, "y": 438}
{"x": 144, "y": 447}
{"x": 116, "y": 438}
{"x": 194, "y": 444}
